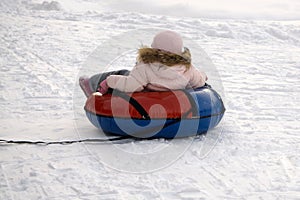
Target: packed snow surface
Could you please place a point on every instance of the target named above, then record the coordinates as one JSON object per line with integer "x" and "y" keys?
{"x": 47, "y": 45}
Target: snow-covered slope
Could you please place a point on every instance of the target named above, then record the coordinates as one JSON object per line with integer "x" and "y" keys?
{"x": 253, "y": 154}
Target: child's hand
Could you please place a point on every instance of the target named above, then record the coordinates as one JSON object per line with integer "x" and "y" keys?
{"x": 97, "y": 94}
{"x": 103, "y": 87}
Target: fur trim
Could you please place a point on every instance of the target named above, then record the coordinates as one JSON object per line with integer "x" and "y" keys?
{"x": 150, "y": 55}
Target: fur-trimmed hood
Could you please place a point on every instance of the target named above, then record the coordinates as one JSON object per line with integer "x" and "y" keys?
{"x": 151, "y": 55}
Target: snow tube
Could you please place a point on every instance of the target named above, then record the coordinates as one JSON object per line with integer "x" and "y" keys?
{"x": 169, "y": 114}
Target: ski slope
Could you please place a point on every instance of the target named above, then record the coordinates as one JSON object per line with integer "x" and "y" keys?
{"x": 252, "y": 154}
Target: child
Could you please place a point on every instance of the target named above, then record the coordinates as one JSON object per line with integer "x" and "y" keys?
{"x": 165, "y": 66}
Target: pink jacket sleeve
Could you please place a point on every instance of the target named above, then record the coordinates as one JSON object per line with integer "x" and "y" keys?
{"x": 134, "y": 82}
{"x": 197, "y": 78}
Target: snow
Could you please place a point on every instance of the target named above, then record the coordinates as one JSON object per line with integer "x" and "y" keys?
{"x": 245, "y": 9}
{"x": 254, "y": 64}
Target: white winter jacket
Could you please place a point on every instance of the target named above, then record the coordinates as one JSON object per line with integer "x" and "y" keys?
{"x": 158, "y": 77}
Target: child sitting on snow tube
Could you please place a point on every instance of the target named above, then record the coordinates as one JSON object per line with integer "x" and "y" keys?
{"x": 165, "y": 66}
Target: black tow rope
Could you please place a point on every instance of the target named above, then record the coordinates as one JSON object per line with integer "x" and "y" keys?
{"x": 65, "y": 142}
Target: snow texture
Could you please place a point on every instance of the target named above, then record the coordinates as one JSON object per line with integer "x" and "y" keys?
{"x": 252, "y": 154}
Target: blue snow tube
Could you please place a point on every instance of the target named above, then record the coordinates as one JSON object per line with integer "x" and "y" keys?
{"x": 169, "y": 114}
